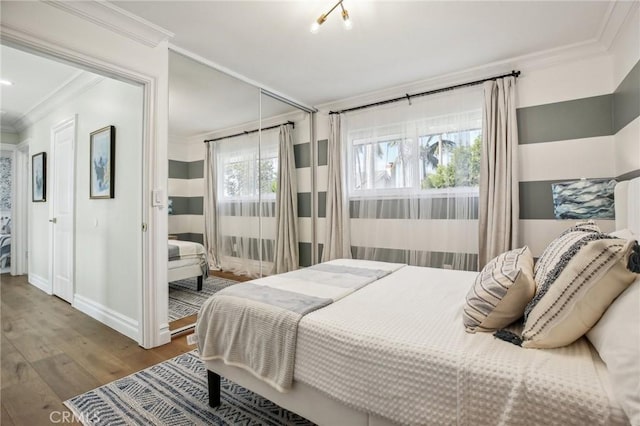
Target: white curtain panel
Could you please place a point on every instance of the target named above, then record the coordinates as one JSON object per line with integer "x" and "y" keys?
{"x": 247, "y": 180}
{"x": 499, "y": 193}
{"x": 286, "y": 243}
{"x": 211, "y": 242}
{"x": 337, "y": 243}
{"x": 412, "y": 180}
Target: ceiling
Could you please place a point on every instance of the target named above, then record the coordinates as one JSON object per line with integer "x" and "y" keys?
{"x": 391, "y": 43}
{"x": 34, "y": 80}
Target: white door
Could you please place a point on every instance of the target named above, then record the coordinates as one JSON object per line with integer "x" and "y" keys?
{"x": 62, "y": 208}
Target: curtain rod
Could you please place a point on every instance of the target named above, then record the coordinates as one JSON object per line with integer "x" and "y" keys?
{"x": 251, "y": 131}
{"x": 408, "y": 97}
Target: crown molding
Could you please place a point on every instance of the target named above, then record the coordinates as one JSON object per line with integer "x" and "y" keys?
{"x": 619, "y": 12}
{"x": 614, "y": 19}
{"x": 115, "y": 19}
{"x": 74, "y": 86}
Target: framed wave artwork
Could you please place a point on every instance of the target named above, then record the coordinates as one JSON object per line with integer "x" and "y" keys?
{"x": 102, "y": 163}
{"x": 39, "y": 177}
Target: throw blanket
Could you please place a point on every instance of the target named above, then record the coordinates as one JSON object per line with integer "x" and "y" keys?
{"x": 255, "y": 325}
{"x": 180, "y": 250}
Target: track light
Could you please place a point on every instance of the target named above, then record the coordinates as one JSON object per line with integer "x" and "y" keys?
{"x": 348, "y": 24}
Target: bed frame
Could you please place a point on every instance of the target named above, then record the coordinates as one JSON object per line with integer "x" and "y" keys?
{"x": 185, "y": 272}
{"x": 322, "y": 409}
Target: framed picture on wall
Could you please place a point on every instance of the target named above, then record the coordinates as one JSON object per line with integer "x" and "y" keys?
{"x": 102, "y": 163}
{"x": 39, "y": 177}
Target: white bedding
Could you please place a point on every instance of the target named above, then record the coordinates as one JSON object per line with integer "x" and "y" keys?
{"x": 397, "y": 348}
{"x": 265, "y": 314}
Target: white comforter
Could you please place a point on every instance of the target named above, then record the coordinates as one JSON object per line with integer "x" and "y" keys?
{"x": 397, "y": 348}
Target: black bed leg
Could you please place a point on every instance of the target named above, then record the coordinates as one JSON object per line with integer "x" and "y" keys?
{"x": 213, "y": 380}
{"x": 199, "y": 282}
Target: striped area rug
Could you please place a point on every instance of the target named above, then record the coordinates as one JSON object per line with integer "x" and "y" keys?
{"x": 175, "y": 393}
{"x": 185, "y": 300}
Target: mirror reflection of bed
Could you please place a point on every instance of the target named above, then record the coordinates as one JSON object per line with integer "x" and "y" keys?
{"x": 245, "y": 124}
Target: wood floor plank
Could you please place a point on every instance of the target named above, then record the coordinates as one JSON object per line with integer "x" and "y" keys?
{"x": 32, "y": 403}
{"x": 5, "y": 418}
{"x": 102, "y": 365}
{"x": 64, "y": 376}
{"x": 34, "y": 347}
{"x": 178, "y": 346}
{"x": 15, "y": 369}
{"x": 13, "y": 328}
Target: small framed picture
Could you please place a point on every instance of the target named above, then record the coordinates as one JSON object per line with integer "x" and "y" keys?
{"x": 39, "y": 177}
{"x": 102, "y": 163}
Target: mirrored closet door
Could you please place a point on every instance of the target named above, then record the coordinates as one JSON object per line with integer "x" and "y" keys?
{"x": 237, "y": 158}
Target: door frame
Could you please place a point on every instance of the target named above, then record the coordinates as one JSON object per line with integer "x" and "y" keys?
{"x": 20, "y": 210}
{"x": 153, "y": 328}
{"x": 51, "y": 168}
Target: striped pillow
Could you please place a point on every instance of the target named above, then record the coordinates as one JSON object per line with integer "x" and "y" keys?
{"x": 501, "y": 291}
{"x": 578, "y": 276}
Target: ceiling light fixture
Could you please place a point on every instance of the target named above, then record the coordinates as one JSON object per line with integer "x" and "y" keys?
{"x": 348, "y": 24}
{"x": 6, "y": 83}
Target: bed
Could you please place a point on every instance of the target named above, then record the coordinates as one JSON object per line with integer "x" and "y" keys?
{"x": 395, "y": 352}
{"x": 187, "y": 260}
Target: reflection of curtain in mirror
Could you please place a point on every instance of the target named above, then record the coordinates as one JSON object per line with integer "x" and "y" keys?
{"x": 412, "y": 174}
{"x": 246, "y": 182}
{"x": 286, "y": 243}
{"x": 211, "y": 228}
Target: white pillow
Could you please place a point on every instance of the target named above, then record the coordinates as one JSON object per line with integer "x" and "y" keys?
{"x": 500, "y": 292}
{"x": 616, "y": 337}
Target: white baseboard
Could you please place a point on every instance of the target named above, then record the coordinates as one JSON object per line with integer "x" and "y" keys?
{"x": 40, "y": 283}
{"x": 165, "y": 334}
{"x": 107, "y": 316}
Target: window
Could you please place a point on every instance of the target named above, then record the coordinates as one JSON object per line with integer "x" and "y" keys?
{"x": 429, "y": 161}
{"x": 450, "y": 159}
{"x": 248, "y": 177}
{"x": 246, "y": 172}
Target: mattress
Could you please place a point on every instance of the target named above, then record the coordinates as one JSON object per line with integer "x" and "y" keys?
{"x": 397, "y": 349}
{"x": 174, "y": 264}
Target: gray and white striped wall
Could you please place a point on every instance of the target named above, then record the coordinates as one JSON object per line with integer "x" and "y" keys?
{"x": 186, "y": 190}
{"x": 592, "y": 135}
{"x": 302, "y": 153}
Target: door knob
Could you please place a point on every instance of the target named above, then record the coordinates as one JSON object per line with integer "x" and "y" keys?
{"x": 53, "y": 220}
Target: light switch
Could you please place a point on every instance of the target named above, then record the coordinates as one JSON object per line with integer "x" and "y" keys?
{"x": 158, "y": 198}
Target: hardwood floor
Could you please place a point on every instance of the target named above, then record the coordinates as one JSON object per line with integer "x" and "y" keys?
{"x": 51, "y": 352}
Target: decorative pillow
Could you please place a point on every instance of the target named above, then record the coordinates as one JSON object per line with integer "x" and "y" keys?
{"x": 501, "y": 291}
{"x": 616, "y": 337}
{"x": 551, "y": 255}
{"x": 577, "y": 277}
{"x": 624, "y": 233}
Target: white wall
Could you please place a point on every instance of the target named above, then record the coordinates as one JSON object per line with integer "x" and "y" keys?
{"x": 44, "y": 26}
{"x": 108, "y": 244}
